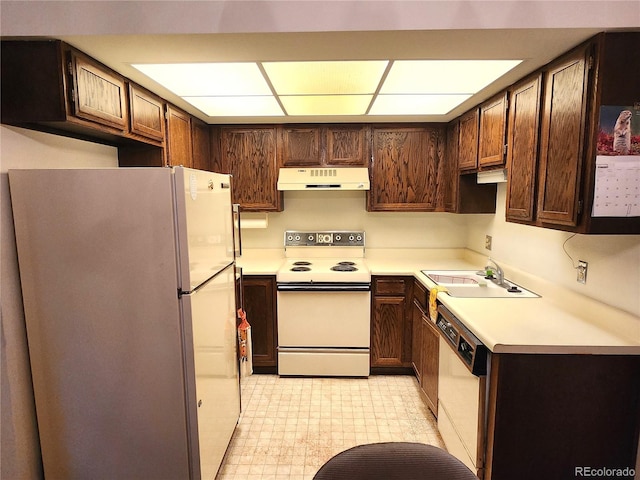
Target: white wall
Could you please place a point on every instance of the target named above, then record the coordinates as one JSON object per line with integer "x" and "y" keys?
{"x": 344, "y": 210}
{"x": 21, "y": 148}
{"x": 614, "y": 260}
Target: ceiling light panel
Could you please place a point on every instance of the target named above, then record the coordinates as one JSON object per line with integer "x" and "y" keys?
{"x": 208, "y": 79}
{"x": 416, "y": 104}
{"x": 325, "y": 78}
{"x": 326, "y": 104}
{"x": 444, "y": 76}
{"x": 251, "y": 106}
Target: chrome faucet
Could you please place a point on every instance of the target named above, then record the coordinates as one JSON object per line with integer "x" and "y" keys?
{"x": 499, "y": 273}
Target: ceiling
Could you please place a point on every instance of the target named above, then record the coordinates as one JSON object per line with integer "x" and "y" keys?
{"x": 120, "y": 34}
{"x": 534, "y": 47}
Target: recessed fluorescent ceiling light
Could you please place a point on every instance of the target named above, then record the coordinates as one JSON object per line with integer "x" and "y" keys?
{"x": 326, "y": 104}
{"x": 208, "y": 79}
{"x": 411, "y": 87}
{"x": 253, "y": 106}
{"x": 444, "y": 76}
{"x": 416, "y": 104}
{"x": 325, "y": 78}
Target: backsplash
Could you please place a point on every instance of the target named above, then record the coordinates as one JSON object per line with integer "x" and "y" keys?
{"x": 342, "y": 210}
{"x": 614, "y": 260}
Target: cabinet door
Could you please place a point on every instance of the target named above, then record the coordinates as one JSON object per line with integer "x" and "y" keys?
{"x": 147, "y": 113}
{"x": 430, "y": 351}
{"x": 404, "y": 168}
{"x": 99, "y": 94}
{"x": 249, "y": 154}
{"x": 300, "y": 146}
{"x": 178, "y": 138}
{"x": 347, "y": 146}
{"x": 201, "y": 145}
{"x": 562, "y": 138}
{"x": 522, "y": 156}
{"x": 387, "y": 333}
{"x": 493, "y": 130}
{"x": 450, "y": 170}
{"x": 416, "y": 340}
{"x": 391, "y": 328}
{"x": 468, "y": 141}
{"x": 260, "y": 307}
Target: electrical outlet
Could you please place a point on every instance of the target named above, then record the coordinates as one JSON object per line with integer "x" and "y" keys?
{"x": 487, "y": 242}
{"x": 582, "y": 271}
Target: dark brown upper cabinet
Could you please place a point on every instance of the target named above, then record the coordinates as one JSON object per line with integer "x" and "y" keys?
{"x": 179, "y": 146}
{"x": 493, "y": 132}
{"x": 562, "y": 138}
{"x": 50, "y": 86}
{"x": 552, "y": 179}
{"x": 450, "y": 170}
{"x": 347, "y": 145}
{"x": 462, "y": 193}
{"x": 522, "y": 154}
{"x": 98, "y": 94}
{"x": 200, "y": 145}
{"x": 300, "y": 146}
{"x": 468, "y": 141}
{"x": 146, "y": 113}
{"x": 404, "y": 168}
{"x": 249, "y": 154}
{"x": 322, "y": 145}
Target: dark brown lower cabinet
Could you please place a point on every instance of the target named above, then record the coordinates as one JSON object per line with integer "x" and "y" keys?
{"x": 390, "y": 323}
{"x": 430, "y": 351}
{"x": 260, "y": 306}
{"x": 425, "y": 348}
{"x": 553, "y": 416}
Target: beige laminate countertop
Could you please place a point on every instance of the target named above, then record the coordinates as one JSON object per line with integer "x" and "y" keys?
{"x": 559, "y": 321}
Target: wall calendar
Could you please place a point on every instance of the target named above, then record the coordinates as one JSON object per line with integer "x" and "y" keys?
{"x": 617, "y": 179}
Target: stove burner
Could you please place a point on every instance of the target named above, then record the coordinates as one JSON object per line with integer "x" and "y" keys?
{"x": 343, "y": 268}
{"x": 346, "y": 262}
{"x": 301, "y": 262}
{"x": 300, "y": 269}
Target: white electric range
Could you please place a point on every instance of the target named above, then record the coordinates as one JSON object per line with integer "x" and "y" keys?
{"x": 324, "y": 305}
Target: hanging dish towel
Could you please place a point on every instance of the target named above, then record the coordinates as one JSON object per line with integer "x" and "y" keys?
{"x": 433, "y": 305}
{"x": 244, "y": 343}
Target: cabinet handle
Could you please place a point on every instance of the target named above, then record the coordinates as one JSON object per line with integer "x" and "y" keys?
{"x": 199, "y": 403}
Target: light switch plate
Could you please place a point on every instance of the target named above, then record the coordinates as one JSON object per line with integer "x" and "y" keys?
{"x": 487, "y": 242}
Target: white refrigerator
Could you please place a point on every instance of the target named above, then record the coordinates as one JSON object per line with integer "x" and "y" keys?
{"x": 128, "y": 282}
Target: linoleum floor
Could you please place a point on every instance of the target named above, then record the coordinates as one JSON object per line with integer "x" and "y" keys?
{"x": 289, "y": 427}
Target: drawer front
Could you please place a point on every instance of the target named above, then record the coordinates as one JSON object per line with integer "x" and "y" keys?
{"x": 389, "y": 286}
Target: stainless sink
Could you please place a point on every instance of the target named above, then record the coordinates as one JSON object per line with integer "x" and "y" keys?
{"x": 474, "y": 284}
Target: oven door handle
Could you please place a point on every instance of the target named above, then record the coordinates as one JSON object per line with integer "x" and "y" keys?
{"x": 324, "y": 287}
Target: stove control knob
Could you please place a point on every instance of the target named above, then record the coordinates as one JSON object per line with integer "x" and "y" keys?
{"x": 289, "y": 237}
{"x": 338, "y": 238}
{"x": 297, "y": 238}
{"x": 359, "y": 238}
{"x": 351, "y": 238}
{"x": 311, "y": 238}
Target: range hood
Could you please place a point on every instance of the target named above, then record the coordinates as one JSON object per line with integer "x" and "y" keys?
{"x": 323, "y": 179}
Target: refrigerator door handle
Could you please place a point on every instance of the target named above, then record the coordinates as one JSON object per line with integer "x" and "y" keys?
{"x": 237, "y": 232}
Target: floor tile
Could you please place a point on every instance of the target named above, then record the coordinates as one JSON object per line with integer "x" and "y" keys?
{"x": 289, "y": 427}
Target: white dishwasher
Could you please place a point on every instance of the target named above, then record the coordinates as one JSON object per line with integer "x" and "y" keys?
{"x": 462, "y": 375}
